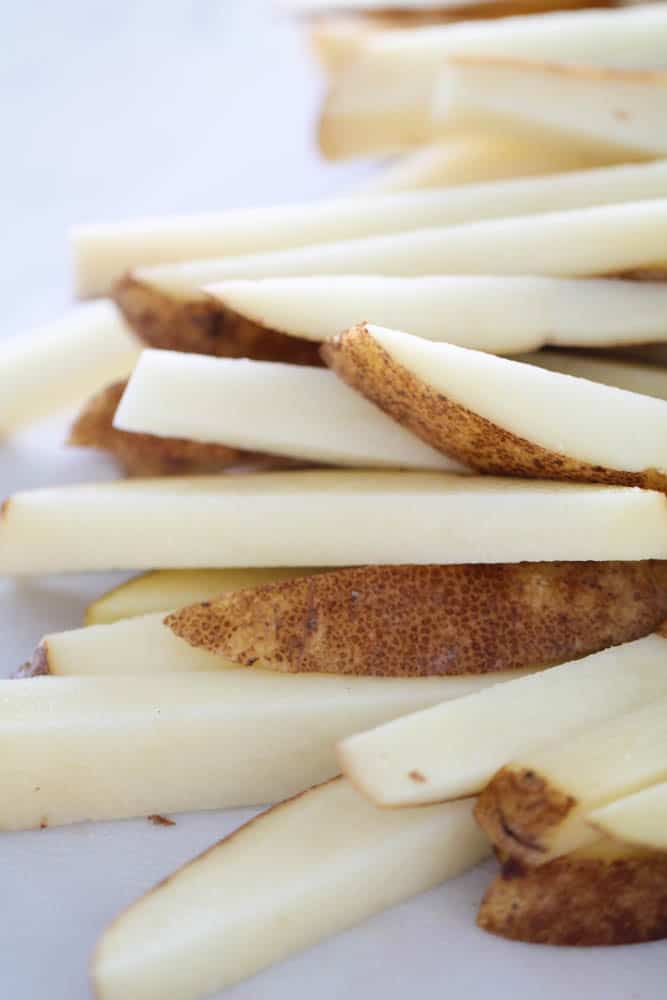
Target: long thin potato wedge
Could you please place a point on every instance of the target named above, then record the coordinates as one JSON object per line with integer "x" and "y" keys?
{"x": 424, "y": 620}
{"x": 629, "y": 375}
{"x": 623, "y": 107}
{"x": 536, "y": 807}
{"x": 506, "y": 418}
{"x": 327, "y": 518}
{"x": 432, "y": 756}
{"x": 638, "y": 819}
{"x": 271, "y": 409}
{"x": 103, "y": 253}
{"x": 603, "y": 894}
{"x": 460, "y": 309}
{"x": 162, "y": 590}
{"x": 267, "y": 891}
{"x": 62, "y": 363}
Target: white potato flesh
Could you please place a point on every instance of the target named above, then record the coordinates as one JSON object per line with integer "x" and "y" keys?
{"x": 327, "y": 518}
{"x": 588, "y": 421}
{"x": 503, "y": 315}
{"x": 637, "y": 819}
{"x": 104, "y": 252}
{"x": 268, "y": 891}
{"x": 268, "y": 407}
{"x": 100, "y": 748}
{"x": 431, "y": 757}
{"x": 646, "y": 379}
{"x": 62, "y": 363}
{"x": 585, "y": 242}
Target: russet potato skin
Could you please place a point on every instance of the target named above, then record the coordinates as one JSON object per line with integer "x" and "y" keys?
{"x": 366, "y": 366}
{"x": 429, "y": 620}
{"x": 202, "y": 325}
{"x": 606, "y": 894}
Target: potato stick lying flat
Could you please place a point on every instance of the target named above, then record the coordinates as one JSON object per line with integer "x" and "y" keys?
{"x": 278, "y": 409}
{"x": 267, "y": 891}
{"x": 503, "y": 315}
{"x": 638, "y": 819}
{"x": 383, "y": 102}
{"x": 631, "y": 376}
{"x": 536, "y": 807}
{"x": 430, "y": 757}
{"x": 103, "y": 253}
{"x": 62, "y": 363}
{"x": 506, "y": 418}
{"x": 167, "y": 589}
{"x": 328, "y": 518}
{"x": 624, "y": 107}
{"x": 95, "y": 748}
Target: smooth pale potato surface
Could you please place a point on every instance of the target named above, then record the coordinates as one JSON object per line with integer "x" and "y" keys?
{"x": 638, "y": 819}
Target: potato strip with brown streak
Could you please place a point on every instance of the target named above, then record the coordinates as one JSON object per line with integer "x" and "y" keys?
{"x": 424, "y": 620}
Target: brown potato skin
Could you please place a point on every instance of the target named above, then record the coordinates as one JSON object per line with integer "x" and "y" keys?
{"x": 601, "y": 895}
{"x": 433, "y": 620}
{"x": 149, "y": 455}
{"x": 203, "y": 325}
{"x": 455, "y": 430}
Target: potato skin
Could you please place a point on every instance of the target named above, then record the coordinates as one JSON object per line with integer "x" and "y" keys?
{"x": 602, "y": 895}
{"x": 203, "y": 325}
{"x": 433, "y": 620}
{"x": 455, "y": 430}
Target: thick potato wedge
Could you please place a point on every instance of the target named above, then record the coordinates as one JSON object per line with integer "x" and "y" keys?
{"x": 603, "y": 894}
{"x": 638, "y": 819}
{"x": 503, "y": 417}
{"x": 425, "y": 620}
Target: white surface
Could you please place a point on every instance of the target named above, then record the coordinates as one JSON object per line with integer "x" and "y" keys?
{"x": 117, "y": 110}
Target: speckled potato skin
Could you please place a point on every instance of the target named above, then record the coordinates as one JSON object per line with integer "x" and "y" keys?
{"x": 601, "y": 895}
{"x": 453, "y": 429}
{"x": 433, "y": 620}
{"x": 204, "y": 326}
{"x": 149, "y": 455}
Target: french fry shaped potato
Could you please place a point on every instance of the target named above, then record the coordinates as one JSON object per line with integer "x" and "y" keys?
{"x": 639, "y": 819}
{"x": 630, "y": 375}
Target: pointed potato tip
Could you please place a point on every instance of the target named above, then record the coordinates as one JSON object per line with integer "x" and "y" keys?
{"x": 38, "y": 666}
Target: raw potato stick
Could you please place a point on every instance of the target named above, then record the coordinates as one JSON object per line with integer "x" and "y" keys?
{"x": 632, "y": 376}
{"x": 460, "y": 309}
{"x": 267, "y": 891}
{"x": 430, "y": 756}
{"x": 104, "y": 252}
{"x": 100, "y": 748}
{"x": 638, "y": 819}
{"x": 63, "y": 362}
{"x": 422, "y": 620}
{"x": 327, "y": 518}
{"x": 536, "y": 807}
{"x": 276, "y": 409}
{"x": 503, "y": 417}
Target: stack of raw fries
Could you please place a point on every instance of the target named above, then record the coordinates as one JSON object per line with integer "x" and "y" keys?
{"x": 483, "y": 513}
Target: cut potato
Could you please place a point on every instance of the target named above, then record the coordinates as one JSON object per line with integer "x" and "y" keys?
{"x": 503, "y": 315}
{"x": 104, "y": 253}
{"x": 62, "y": 363}
{"x": 632, "y": 376}
{"x": 624, "y": 107}
{"x": 327, "y": 518}
{"x": 430, "y": 757}
{"x": 383, "y": 102}
{"x": 305, "y": 413}
{"x": 267, "y": 891}
{"x": 502, "y": 417}
{"x": 603, "y": 894}
{"x": 163, "y": 590}
{"x": 535, "y": 808}
{"x": 638, "y": 819}
{"x": 421, "y": 620}
{"x": 99, "y": 748}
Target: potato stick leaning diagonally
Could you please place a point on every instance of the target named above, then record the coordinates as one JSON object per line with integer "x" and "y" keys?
{"x": 432, "y": 619}
{"x": 103, "y": 253}
{"x": 629, "y": 375}
{"x": 267, "y": 891}
{"x": 430, "y": 757}
{"x": 60, "y": 364}
{"x": 503, "y": 417}
{"x": 536, "y": 807}
{"x": 639, "y": 819}
{"x": 501, "y": 314}
{"x": 305, "y": 413}
{"x": 325, "y": 518}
